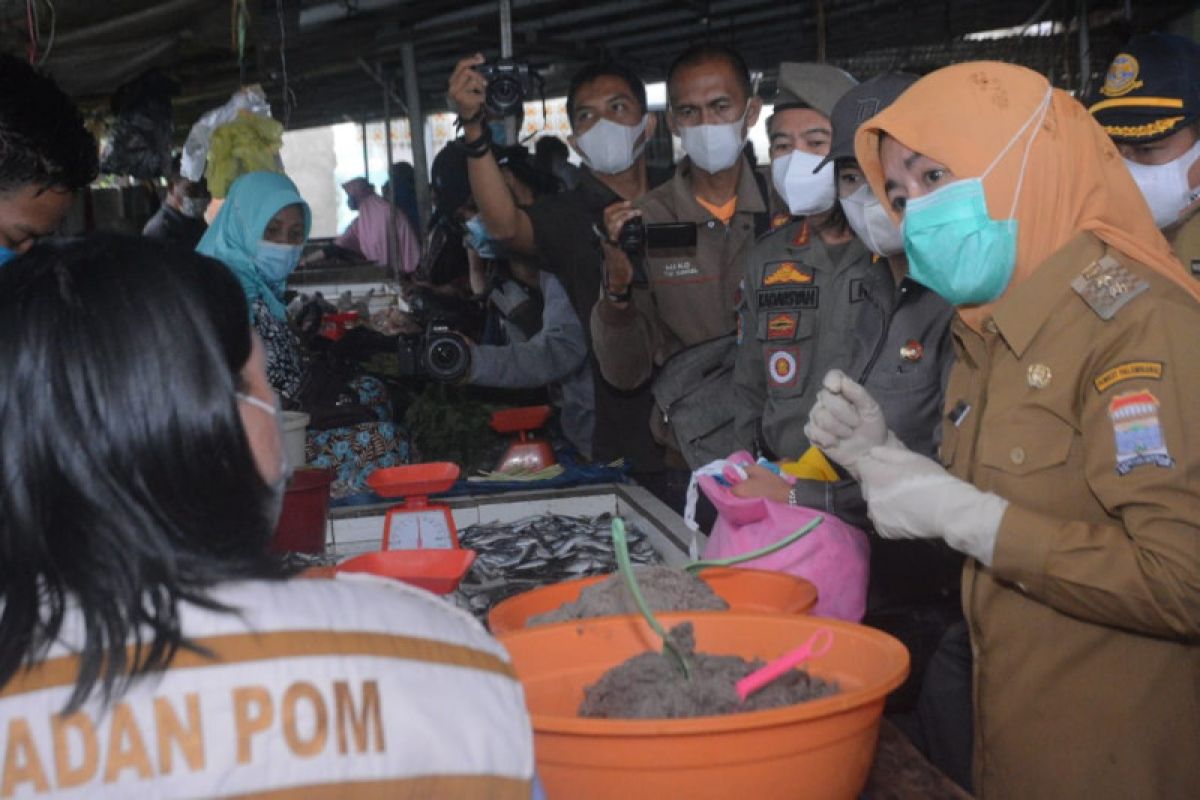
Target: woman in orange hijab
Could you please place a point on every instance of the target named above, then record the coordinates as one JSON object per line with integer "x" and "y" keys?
{"x": 1070, "y": 476}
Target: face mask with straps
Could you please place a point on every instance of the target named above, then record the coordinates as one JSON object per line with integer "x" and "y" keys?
{"x": 954, "y": 246}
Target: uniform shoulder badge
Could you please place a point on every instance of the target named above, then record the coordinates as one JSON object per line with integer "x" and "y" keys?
{"x": 1106, "y": 286}
{"x": 1139, "y": 435}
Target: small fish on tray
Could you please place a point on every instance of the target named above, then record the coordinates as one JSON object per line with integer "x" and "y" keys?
{"x": 536, "y": 551}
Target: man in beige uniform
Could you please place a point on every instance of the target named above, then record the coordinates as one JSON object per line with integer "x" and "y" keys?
{"x": 692, "y": 293}
{"x": 1150, "y": 106}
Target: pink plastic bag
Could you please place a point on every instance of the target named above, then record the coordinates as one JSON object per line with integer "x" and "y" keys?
{"x": 835, "y": 557}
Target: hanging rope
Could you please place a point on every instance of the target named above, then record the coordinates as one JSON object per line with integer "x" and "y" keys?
{"x": 31, "y": 23}
{"x": 53, "y": 30}
{"x": 289, "y": 97}
{"x": 239, "y": 17}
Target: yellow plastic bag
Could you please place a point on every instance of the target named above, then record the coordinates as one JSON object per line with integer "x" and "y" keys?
{"x": 812, "y": 466}
{"x": 248, "y": 144}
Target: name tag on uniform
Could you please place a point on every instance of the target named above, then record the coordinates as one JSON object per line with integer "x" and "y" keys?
{"x": 791, "y": 299}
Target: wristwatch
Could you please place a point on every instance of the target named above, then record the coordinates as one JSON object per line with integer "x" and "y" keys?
{"x": 618, "y": 297}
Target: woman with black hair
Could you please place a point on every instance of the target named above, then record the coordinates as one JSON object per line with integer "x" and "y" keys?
{"x": 151, "y": 646}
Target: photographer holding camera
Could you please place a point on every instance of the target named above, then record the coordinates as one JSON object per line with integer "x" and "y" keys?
{"x": 606, "y": 105}
{"x": 691, "y": 287}
{"x": 532, "y": 337}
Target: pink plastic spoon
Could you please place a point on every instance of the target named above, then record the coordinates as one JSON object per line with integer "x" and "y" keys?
{"x": 817, "y": 645}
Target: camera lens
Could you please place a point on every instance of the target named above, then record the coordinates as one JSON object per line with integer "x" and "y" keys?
{"x": 504, "y": 93}
{"x": 446, "y": 357}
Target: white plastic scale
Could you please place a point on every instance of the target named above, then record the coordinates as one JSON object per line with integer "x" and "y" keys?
{"x": 417, "y": 524}
{"x": 414, "y": 528}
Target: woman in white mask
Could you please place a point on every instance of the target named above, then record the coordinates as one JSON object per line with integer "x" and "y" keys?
{"x": 1150, "y": 105}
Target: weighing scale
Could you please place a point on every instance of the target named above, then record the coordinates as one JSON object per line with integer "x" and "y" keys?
{"x": 420, "y": 541}
{"x": 526, "y": 453}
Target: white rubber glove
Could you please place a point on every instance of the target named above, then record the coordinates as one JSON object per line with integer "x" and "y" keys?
{"x": 910, "y": 496}
{"x": 846, "y": 422}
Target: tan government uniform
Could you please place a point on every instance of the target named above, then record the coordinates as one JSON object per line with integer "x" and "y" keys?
{"x": 1185, "y": 241}
{"x": 692, "y": 294}
{"x": 1078, "y": 404}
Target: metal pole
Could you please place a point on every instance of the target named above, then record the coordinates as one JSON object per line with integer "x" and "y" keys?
{"x": 820, "y": 31}
{"x": 392, "y": 244}
{"x": 416, "y": 126}
{"x": 366, "y": 158}
{"x": 506, "y": 28}
{"x": 1085, "y": 49}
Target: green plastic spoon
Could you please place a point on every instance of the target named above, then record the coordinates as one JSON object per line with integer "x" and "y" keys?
{"x": 621, "y": 547}
{"x": 762, "y": 551}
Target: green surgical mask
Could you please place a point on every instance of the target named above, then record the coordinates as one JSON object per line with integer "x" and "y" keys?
{"x": 954, "y": 246}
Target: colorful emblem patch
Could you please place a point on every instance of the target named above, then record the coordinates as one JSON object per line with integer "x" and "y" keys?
{"x": 1138, "y": 433}
{"x": 782, "y": 326}
{"x": 801, "y": 237}
{"x": 1122, "y": 76}
{"x": 779, "y": 273}
{"x": 912, "y": 350}
{"x": 1132, "y": 370}
{"x": 784, "y": 366}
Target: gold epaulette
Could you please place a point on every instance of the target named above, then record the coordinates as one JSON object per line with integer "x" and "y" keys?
{"x": 1106, "y": 286}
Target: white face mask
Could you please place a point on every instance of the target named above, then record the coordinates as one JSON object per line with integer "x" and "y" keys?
{"x": 610, "y": 147}
{"x": 871, "y": 222}
{"x": 279, "y": 486}
{"x": 1165, "y": 186}
{"x": 715, "y": 148}
{"x": 804, "y": 191}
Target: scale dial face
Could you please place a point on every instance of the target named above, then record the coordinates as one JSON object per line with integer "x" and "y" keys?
{"x": 416, "y": 530}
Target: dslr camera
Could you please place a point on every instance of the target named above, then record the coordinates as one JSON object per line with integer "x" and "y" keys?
{"x": 509, "y": 83}
{"x": 439, "y": 354}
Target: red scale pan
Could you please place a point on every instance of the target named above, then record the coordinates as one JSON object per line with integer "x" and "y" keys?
{"x": 420, "y": 541}
{"x": 527, "y": 453}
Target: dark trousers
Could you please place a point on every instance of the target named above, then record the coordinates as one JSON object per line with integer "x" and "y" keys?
{"x": 940, "y": 725}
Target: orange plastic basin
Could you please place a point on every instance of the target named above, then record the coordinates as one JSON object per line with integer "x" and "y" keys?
{"x": 742, "y": 589}
{"x": 527, "y": 418}
{"x": 414, "y": 480}
{"x": 821, "y": 750}
{"x": 438, "y": 571}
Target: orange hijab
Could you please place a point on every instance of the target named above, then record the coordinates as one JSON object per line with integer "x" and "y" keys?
{"x": 1075, "y": 180}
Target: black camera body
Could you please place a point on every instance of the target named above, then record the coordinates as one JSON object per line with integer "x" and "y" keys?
{"x": 636, "y": 238}
{"x": 509, "y": 83}
{"x": 439, "y": 354}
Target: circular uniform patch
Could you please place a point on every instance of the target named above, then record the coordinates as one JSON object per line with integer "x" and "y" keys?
{"x": 782, "y": 366}
{"x": 1122, "y": 76}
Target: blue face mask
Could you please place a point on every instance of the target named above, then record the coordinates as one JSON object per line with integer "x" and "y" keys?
{"x": 277, "y": 261}
{"x": 498, "y": 128}
{"x": 6, "y": 255}
{"x": 479, "y": 240}
{"x": 954, "y": 246}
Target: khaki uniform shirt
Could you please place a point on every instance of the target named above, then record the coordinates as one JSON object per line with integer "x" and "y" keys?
{"x": 1086, "y": 630}
{"x": 1185, "y": 241}
{"x": 692, "y": 294}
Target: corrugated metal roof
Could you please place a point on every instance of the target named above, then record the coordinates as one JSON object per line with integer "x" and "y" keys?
{"x": 98, "y": 46}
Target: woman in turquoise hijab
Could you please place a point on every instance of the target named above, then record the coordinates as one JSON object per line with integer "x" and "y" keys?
{"x": 259, "y": 233}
